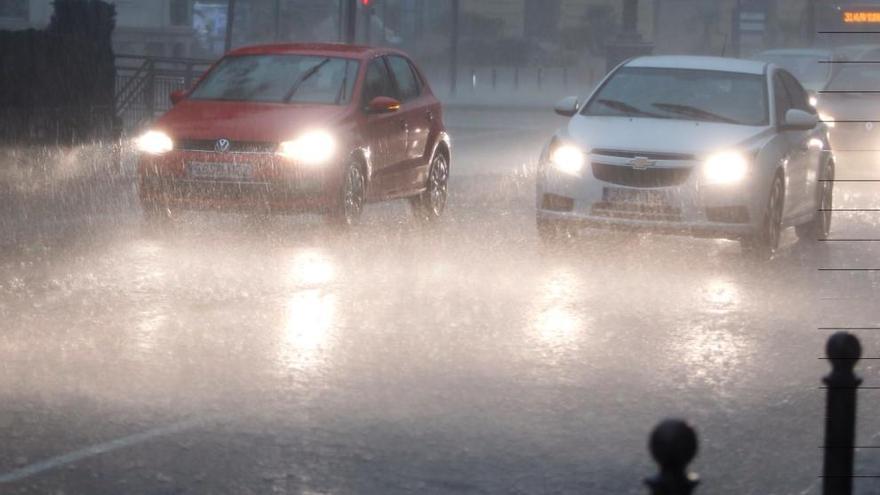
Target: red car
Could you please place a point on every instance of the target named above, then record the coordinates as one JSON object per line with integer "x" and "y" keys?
{"x": 299, "y": 127}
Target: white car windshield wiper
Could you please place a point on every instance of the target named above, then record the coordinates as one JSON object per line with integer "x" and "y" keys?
{"x": 303, "y": 78}
{"x": 694, "y": 112}
{"x": 627, "y": 109}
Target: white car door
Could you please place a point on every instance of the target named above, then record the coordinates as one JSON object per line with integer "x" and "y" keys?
{"x": 796, "y": 154}
{"x": 814, "y": 145}
{"x": 814, "y": 154}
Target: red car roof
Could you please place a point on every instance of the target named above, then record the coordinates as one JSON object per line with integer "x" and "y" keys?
{"x": 328, "y": 49}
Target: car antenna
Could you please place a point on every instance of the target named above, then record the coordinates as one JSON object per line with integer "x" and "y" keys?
{"x": 724, "y": 45}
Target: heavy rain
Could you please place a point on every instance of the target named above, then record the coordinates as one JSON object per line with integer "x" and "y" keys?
{"x": 447, "y": 246}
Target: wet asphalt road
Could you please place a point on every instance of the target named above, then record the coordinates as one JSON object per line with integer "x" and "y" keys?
{"x": 240, "y": 355}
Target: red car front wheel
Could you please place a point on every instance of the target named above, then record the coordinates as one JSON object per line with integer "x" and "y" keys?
{"x": 351, "y": 196}
{"x": 430, "y": 204}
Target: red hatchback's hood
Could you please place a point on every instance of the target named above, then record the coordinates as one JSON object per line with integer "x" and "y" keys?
{"x": 247, "y": 121}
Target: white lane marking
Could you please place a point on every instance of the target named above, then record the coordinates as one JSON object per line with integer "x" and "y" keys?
{"x": 94, "y": 450}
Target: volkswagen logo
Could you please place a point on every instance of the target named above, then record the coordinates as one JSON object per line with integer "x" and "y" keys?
{"x": 222, "y": 145}
{"x": 640, "y": 163}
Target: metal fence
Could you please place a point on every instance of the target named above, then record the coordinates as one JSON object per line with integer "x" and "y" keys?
{"x": 524, "y": 78}
{"x": 673, "y": 443}
{"x": 511, "y": 80}
{"x": 144, "y": 85}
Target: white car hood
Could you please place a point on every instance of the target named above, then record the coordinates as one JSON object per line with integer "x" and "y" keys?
{"x": 660, "y": 135}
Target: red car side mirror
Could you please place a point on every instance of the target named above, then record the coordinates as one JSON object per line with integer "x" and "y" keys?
{"x": 177, "y": 96}
{"x": 383, "y": 104}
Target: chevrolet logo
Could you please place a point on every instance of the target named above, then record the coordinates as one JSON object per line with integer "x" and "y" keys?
{"x": 641, "y": 163}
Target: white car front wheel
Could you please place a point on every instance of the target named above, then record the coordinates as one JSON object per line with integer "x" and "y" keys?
{"x": 764, "y": 243}
{"x": 820, "y": 226}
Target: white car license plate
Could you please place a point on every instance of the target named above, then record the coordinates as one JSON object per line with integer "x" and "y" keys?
{"x": 221, "y": 171}
{"x": 635, "y": 196}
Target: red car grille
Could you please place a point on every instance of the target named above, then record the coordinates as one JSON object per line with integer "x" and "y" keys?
{"x": 234, "y": 146}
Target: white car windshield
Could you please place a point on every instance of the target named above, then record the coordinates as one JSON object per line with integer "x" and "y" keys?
{"x": 683, "y": 94}
{"x": 280, "y": 79}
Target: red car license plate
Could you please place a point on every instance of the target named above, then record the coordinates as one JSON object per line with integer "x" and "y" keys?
{"x": 219, "y": 171}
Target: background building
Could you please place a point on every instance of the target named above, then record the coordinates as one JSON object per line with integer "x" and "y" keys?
{"x": 154, "y": 27}
{"x": 501, "y": 32}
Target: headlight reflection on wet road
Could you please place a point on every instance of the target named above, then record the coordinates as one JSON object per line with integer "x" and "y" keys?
{"x": 148, "y": 264}
{"x": 721, "y": 295}
{"x": 310, "y": 314}
{"x": 711, "y": 346}
{"x": 556, "y": 318}
{"x": 312, "y": 267}
{"x": 310, "y": 318}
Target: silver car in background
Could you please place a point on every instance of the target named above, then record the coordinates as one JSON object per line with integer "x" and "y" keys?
{"x": 840, "y": 81}
{"x": 813, "y": 67}
{"x": 850, "y": 107}
{"x": 701, "y": 146}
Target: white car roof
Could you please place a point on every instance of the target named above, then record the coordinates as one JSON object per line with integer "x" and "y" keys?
{"x": 699, "y": 63}
{"x": 819, "y": 52}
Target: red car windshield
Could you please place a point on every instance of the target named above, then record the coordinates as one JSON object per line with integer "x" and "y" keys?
{"x": 280, "y": 79}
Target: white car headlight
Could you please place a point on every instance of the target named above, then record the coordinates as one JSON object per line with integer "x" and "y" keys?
{"x": 727, "y": 167}
{"x": 312, "y": 148}
{"x": 813, "y": 101}
{"x": 154, "y": 143}
{"x": 568, "y": 159}
{"x": 827, "y": 119}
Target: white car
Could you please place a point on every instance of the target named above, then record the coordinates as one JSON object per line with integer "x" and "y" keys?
{"x": 705, "y": 146}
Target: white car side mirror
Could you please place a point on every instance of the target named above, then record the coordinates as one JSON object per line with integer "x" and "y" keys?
{"x": 567, "y": 107}
{"x": 799, "y": 120}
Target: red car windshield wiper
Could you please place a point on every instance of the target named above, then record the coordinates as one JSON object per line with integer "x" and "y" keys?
{"x": 303, "y": 78}
{"x": 341, "y": 94}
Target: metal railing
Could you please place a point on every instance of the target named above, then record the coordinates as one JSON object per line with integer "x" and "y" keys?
{"x": 516, "y": 78}
{"x": 673, "y": 443}
{"x": 513, "y": 79}
{"x": 144, "y": 85}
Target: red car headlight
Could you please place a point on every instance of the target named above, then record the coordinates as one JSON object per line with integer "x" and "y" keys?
{"x": 312, "y": 148}
{"x": 154, "y": 143}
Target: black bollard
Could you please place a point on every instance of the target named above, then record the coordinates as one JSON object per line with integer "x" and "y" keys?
{"x": 843, "y": 350}
{"x": 673, "y": 446}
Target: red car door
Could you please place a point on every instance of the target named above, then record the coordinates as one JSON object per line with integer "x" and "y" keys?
{"x": 385, "y": 132}
{"x": 416, "y": 109}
